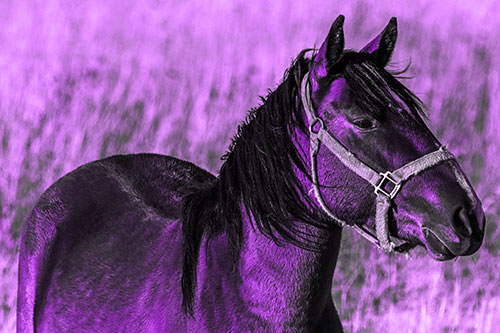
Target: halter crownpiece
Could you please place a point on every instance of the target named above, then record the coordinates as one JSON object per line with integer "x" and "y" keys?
{"x": 378, "y": 180}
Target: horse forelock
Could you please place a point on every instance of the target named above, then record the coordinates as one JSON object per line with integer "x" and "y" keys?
{"x": 374, "y": 89}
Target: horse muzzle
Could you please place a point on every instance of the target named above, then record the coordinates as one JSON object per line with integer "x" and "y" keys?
{"x": 463, "y": 236}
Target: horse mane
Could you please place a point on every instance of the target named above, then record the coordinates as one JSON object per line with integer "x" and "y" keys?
{"x": 259, "y": 169}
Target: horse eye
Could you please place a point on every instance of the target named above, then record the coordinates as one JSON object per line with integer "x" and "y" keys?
{"x": 364, "y": 123}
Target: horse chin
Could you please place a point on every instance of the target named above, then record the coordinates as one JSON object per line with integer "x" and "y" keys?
{"x": 441, "y": 256}
{"x": 436, "y": 249}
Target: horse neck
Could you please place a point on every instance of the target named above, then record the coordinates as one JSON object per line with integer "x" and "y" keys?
{"x": 286, "y": 279}
{"x": 281, "y": 282}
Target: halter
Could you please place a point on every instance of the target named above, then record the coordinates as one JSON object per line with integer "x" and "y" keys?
{"x": 379, "y": 180}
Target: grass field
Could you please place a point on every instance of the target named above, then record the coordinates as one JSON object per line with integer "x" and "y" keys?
{"x": 83, "y": 80}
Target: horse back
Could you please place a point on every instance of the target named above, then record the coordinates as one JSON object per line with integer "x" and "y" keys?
{"x": 103, "y": 247}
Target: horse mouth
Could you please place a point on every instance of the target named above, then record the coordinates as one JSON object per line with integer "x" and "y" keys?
{"x": 436, "y": 248}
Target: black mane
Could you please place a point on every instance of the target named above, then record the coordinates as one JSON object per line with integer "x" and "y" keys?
{"x": 260, "y": 167}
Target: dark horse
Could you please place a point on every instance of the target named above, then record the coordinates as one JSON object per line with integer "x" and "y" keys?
{"x": 150, "y": 243}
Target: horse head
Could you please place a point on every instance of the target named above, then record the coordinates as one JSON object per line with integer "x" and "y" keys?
{"x": 373, "y": 120}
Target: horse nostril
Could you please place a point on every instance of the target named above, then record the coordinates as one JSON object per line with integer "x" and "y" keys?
{"x": 462, "y": 222}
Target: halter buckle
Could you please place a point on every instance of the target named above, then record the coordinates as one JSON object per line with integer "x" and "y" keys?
{"x": 386, "y": 178}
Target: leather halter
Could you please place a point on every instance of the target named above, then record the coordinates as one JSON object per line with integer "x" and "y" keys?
{"x": 379, "y": 180}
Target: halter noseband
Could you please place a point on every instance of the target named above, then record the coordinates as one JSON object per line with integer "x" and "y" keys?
{"x": 377, "y": 179}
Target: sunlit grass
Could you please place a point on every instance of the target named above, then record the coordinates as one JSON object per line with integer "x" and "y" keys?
{"x": 83, "y": 80}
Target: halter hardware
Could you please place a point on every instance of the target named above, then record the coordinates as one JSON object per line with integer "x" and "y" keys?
{"x": 386, "y": 178}
{"x": 313, "y": 125}
{"x": 379, "y": 180}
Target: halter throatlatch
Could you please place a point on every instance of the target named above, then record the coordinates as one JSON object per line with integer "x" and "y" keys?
{"x": 379, "y": 180}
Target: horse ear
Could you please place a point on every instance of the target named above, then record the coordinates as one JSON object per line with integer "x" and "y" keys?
{"x": 330, "y": 51}
{"x": 381, "y": 47}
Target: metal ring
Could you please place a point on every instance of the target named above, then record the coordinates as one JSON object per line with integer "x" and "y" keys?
{"x": 314, "y": 122}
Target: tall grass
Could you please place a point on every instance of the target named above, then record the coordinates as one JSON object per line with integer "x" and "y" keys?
{"x": 83, "y": 80}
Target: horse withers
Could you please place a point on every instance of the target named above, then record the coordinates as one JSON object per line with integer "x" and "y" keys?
{"x": 151, "y": 243}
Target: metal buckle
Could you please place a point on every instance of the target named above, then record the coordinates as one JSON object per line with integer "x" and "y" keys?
{"x": 379, "y": 188}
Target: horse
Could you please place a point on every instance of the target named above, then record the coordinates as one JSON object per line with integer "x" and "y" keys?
{"x": 151, "y": 243}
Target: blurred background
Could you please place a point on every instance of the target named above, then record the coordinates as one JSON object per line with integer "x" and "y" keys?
{"x": 82, "y": 80}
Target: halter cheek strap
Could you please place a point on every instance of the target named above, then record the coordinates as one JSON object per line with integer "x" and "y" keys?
{"x": 379, "y": 180}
